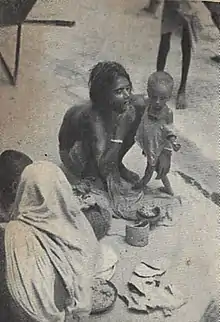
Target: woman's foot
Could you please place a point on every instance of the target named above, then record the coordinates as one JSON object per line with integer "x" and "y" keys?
{"x": 129, "y": 175}
{"x": 168, "y": 191}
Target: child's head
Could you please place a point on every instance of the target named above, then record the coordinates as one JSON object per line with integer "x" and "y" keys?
{"x": 159, "y": 88}
{"x": 12, "y": 164}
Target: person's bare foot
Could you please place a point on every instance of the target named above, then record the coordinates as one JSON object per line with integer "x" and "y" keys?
{"x": 129, "y": 175}
{"x": 181, "y": 102}
{"x": 168, "y": 191}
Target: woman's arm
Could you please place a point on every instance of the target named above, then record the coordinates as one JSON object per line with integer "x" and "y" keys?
{"x": 107, "y": 151}
{"x": 66, "y": 139}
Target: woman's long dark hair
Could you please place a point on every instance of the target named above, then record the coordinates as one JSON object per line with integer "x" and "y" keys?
{"x": 102, "y": 76}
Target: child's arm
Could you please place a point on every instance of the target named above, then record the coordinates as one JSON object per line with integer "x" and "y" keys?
{"x": 175, "y": 145}
{"x": 171, "y": 137}
{"x": 172, "y": 143}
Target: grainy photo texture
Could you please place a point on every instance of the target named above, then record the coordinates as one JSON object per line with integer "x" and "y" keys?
{"x": 109, "y": 161}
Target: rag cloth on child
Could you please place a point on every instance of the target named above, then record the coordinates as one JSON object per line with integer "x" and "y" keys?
{"x": 153, "y": 133}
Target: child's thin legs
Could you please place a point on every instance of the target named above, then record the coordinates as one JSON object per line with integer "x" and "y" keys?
{"x": 167, "y": 186}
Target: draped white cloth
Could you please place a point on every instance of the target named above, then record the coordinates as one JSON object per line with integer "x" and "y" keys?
{"x": 49, "y": 242}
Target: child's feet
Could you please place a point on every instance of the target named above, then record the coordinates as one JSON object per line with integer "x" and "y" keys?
{"x": 166, "y": 190}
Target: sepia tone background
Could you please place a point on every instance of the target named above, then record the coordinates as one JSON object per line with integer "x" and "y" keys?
{"x": 53, "y": 75}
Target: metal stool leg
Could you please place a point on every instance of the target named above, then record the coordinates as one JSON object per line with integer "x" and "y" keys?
{"x": 13, "y": 77}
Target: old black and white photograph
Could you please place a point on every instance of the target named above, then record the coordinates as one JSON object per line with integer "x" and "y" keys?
{"x": 109, "y": 161}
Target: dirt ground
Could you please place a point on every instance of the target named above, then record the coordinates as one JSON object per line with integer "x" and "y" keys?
{"x": 53, "y": 76}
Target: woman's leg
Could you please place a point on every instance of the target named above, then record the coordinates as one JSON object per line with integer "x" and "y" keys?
{"x": 125, "y": 173}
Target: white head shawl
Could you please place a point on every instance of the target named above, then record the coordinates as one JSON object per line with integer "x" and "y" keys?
{"x": 49, "y": 239}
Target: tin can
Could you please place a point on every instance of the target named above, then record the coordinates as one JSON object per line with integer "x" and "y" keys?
{"x": 138, "y": 235}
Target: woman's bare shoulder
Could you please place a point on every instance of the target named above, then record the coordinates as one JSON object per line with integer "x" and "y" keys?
{"x": 78, "y": 109}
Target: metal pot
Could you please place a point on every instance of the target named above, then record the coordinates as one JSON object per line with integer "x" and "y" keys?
{"x": 138, "y": 235}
